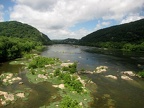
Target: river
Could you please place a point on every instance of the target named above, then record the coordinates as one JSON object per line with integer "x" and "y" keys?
{"x": 109, "y": 93}
{"x": 121, "y": 93}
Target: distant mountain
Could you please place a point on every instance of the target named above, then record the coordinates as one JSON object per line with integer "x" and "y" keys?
{"x": 20, "y": 30}
{"x": 66, "y": 41}
{"x": 132, "y": 32}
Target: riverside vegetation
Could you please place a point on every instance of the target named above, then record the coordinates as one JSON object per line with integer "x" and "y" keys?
{"x": 17, "y": 38}
{"x": 127, "y": 37}
{"x": 73, "y": 91}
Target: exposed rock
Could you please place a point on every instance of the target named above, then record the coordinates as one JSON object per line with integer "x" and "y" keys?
{"x": 111, "y": 76}
{"x": 3, "y": 93}
{"x": 55, "y": 86}
{"x": 42, "y": 76}
{"x": 125, "y": 77}
{"x": 90, "y": 81}
{"x": 16, "y": 79}
{"x": 9, "y": 97}
{"x": 85, "y": 99}
{"x": 8, "y": 78}
{"x": 86, "y": 72}
{"x": 101, "y": 69}
{"x": 21, "y": 95}
{"x": 130, "y": 73}
{"x": 81, "y": 104}
{"x": 61, "y": 86}
{"x": 20, "y": 83}
{"x": 48, "y": 65}
{"x": 82, "y": 81}
{"x": 66, "y": 64}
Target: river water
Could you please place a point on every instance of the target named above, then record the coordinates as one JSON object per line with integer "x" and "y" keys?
{"x": 109, "y": 93}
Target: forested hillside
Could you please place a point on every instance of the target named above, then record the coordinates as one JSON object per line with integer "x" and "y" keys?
{"x": 20, "y": 30}
{"x": 66, "y": 41}
{"x": 17, "y": 39}
{"x": 129, "y": 36}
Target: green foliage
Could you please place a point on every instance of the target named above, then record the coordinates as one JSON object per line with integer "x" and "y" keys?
{"x": 71, "y": 68}
{"x": 12, "y": 47}
{"x": 20, "y": 30}
{"x": 141, "y": 74}
{"x": 66, "y": 41}
{"x": 129, "y": 37}
{"x": 40, "y": 62}
{"x": 71, "y": 82}
{"x": 57, "y": 72}
{"x": 133, "y": 47}
{"x": 68, "y": 102}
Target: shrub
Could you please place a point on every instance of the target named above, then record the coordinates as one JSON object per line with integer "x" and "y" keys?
{"x": 40, "y": 62}
{"x": 68, "y": 102}
{"x": 141, "y": 74}
{"x": 57, "y": 72}
{"x": 72, "y": 68}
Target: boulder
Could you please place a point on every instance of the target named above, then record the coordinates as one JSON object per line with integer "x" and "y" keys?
{"x": 111, "y": 76}
{"x": 125, "y": 77}
{"x": 130, "y": 73}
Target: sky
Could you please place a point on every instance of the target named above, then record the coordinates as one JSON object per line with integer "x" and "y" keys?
{"x": 61, "y": 19}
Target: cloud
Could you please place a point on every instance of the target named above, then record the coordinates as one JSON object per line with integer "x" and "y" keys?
{"x": 55, "y": 17}
{"x": 101, "y": 25}
{"x": 131, "y": 17}
{"x": 1, "y": 12}
{"x": 41, "y": 5}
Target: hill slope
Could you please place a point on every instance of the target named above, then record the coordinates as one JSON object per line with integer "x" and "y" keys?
{"x": 130, "y": 32}
{"x": 20, "y": 30}
{"x": 66, "y": 41}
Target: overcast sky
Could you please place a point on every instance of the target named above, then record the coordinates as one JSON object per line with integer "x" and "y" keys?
{"x": 60, "y": 19}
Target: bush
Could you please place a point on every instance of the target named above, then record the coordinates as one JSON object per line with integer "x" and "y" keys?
{"x": 40, "y": 62}
{"x": 141, "y": 74}
{"x": 72, "y": 68}
{"x": 71, "y": 82}
{"x": 68, "y": 102}
{"x": 57, "y": 72}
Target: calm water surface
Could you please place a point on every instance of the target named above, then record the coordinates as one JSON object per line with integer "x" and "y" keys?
{"x": 109, "y": 93}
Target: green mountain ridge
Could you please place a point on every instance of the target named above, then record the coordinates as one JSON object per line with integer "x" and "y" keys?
{"x": 21, "y": 30}
{"x": 130, "y": 32}
{"x": 18, "y": 39}
{"x": 66, "y": 41}
{"x": 126, "y": 37}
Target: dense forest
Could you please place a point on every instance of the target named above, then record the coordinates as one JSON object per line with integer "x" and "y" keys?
{"x": 20, "y": 30}
{"x": 16, "y": 39}
{"x": 129, "y": 37}
{"x": 66, "y": 41}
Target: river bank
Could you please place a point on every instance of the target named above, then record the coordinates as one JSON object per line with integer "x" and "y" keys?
{"x": 62, "y": 76}
{"x": 108, "y": 74}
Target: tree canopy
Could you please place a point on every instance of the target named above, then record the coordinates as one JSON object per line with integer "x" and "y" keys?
{"x": 20, "y": 30}
{"x": 129, "y": 36}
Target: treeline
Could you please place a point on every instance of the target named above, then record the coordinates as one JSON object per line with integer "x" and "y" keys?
{"x": 17, "y": 38}
{"x": 12, "y": 47}
{"x": 117, "y": 45}
{"x": 129, "y": 36}
{"x": 66, "y": 41}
